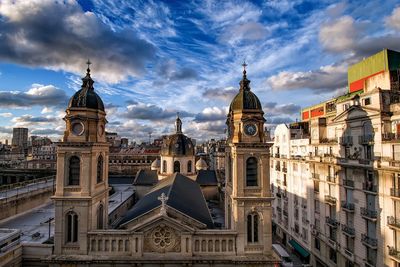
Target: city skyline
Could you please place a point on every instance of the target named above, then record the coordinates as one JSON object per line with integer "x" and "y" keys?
{"x": 153, "y": 59}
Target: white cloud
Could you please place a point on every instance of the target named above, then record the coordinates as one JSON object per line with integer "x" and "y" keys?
{"x": 6, "y": 114}
{"x": 340, "y": 35}
{"x": 393, "y": 20}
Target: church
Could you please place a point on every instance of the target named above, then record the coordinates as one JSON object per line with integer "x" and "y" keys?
{"x": 171, "y": 224}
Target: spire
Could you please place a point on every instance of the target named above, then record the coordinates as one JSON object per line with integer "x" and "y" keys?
{"x": 87, "y": 80}
{"x": 178, "y": 124}
{"x": 244, "y": 83}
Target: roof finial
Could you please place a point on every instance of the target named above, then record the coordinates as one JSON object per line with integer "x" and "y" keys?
{"x": 244, "y": 83}
{"x": 88, "y": 65}
{"x": 177, "y": 115}
{"x": 244, "y": 65}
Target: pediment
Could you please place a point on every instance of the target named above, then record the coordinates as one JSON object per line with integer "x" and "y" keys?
{"x": 157, "y": 219}
{"x": 354, "y": 112}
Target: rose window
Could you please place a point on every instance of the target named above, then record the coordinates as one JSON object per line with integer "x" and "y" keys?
{"x": 162, "y": 237}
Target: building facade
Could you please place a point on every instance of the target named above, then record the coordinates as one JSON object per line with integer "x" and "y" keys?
{"x": 339, "y": 175}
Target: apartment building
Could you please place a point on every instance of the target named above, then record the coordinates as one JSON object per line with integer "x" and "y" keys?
{"x": 337, "y": 172}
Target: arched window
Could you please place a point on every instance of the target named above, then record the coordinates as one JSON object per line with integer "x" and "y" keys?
{"x": 177, "y": 166}
{"x": 251, "y": 172}
{"x": 252, "y": 228}
{"x": 100, "y": 217}
{"x": 72, "y": 227}
{"x": 189, "y": 166}
{"x": 164, "y": 166}
{"x": 74, "y": 170}
{"x": 230, "y": 169}
{"x": 100, "y": 169}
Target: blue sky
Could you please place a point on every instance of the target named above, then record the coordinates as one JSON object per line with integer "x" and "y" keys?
{"x": 152, "y": 59}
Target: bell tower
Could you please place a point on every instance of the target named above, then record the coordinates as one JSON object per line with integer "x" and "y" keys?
{"x": 248, "y": 197}
{"x": 81, "y": 196}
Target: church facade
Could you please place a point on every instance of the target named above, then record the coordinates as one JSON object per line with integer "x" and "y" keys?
{"x": 171, "y": 224}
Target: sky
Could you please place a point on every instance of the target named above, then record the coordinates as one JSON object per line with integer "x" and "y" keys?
{"x": 152, "y": 59}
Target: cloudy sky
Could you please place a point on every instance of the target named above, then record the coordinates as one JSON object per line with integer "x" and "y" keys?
{"x": 152, "y": 59}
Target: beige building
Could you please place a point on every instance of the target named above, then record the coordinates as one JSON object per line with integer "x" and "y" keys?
{"x": 172, "y": 224}
{"x": 340, "y": 183}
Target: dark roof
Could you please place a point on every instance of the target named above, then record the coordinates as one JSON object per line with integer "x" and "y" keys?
{"x": 245, "y": 99}
{"x": 206, "y": 177}
{"x": 121, "y": 179}
{"x": 177, "y": 144}
{"x": 86, "y": 97}
{"x": 146, "y": 177}
{"x": 183, "y": 194}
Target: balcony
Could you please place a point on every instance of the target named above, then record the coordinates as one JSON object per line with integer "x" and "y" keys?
{"x": 347, "y": 206}
{"x": 371, "y": 242}
{"x": 279, "y": 209}
{"x": 346, "y": 140}
{"x": 332, "y": 222}
{"x": 348, "y": 183}
{"x": 277, "y": 155}
{"x": 284, "y": 169}
{"x": 285, "y": 213}
{"x": 277, "y": 167}
{"x": 395, "y": 253}
{"x": 393, "y": 222}
{"x": 366, "y": 139}
{"x": 278, "y": 194}
{"x": 349, "y": 231}
{"x": 315, "y": 176}
{"x": 304, "y": 220}
{"x": 370, "y": 187}
{"x": 331, "y": 179}
{"x": 369, "y": 214}
{"x": 328, "y": 140}
{"x": 390, "y": 137}
{"x": 330, "y": 200}
{"x": 395, "y": 192}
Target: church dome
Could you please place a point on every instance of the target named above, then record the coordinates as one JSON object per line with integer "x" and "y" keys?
{"x": 177, "y": 144}
{"x": 156, "y": 164}
{"x": 201, "y": 164}
{"x": 245, "y": 99}
{"x": 86, "y": 97}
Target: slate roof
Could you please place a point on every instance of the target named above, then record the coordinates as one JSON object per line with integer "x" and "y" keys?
{"x": 183, "y": 194}
{"x": 206, "y": 177}
{"x": 146, "y": 177}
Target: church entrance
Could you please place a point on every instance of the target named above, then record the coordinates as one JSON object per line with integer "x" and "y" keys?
{"x": 177, "y": 166}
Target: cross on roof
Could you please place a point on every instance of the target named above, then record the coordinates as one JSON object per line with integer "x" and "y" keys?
{"x": 163, "y": 198}
{"x": 88, "y": 63}
{"x": 244, "y": 65}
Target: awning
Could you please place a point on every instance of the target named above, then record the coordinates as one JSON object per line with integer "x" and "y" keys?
{"x": 302, "y": 251}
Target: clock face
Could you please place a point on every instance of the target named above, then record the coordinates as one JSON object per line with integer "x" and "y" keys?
{"x": 77, "y": 128}
{"x": 250, "y": 129}
{"x": 101, "y": 130}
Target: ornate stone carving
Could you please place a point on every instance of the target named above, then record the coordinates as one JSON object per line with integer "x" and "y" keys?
{"x": 162, "y": 239}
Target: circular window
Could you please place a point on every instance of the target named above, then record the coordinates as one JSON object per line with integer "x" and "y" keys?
{"x": 77, "y": 128}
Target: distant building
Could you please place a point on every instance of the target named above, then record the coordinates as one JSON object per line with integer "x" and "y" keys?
{"x": 20, "y": 138}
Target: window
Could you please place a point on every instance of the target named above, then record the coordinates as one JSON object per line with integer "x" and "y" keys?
{"x": 164, "y": 166}
{"x": 74, "y": 170}
{"x": 72, "y": 227}
{"x": 332, "y": 255}
{"x": 100, "y": 217}
{"x": 189, "y": 166}
{"x": 367, "y": 101}
{"x": 252, "y": 228}
{"x": 317, "y": 243}
{"x": 177, "y": 166}
{"x": 251, "y": 172}
{"x": 346, "y": 107}
{"x": 100, "y": 169}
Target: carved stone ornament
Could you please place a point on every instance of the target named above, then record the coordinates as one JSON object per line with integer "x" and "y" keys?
{"x": 162, "y": 239}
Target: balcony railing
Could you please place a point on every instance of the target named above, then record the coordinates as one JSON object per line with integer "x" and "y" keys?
{"x": 347, "y": 206}
{"x": 278, "y": 167}
{"x": 348, "y": 183}
{"x": 277, "y": 155}
{"x": 390, "y": 137}
{"x": 332, "y": 222}
{"x": 278, "y": 194}
{"x": 392, "y": 221}
{"x": 328, "y": 140}
{"x": 346, "y": 140}
{"x": 331, "y": 179}
{"x": 395, "y": 192}
{"x": 372, "y": 242}
{"x": 284, "y": 169}
{"x": 315, "y": 176}
{"x": 350, "y": 231}
{"x": 366, "y": 139}
{"x": 369, "y": 214}
{"x": 330, "y": 200}
{"x": 370, "y": 187}
{"x": 279, "y": 209}
{"x": 394, "y": 252}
